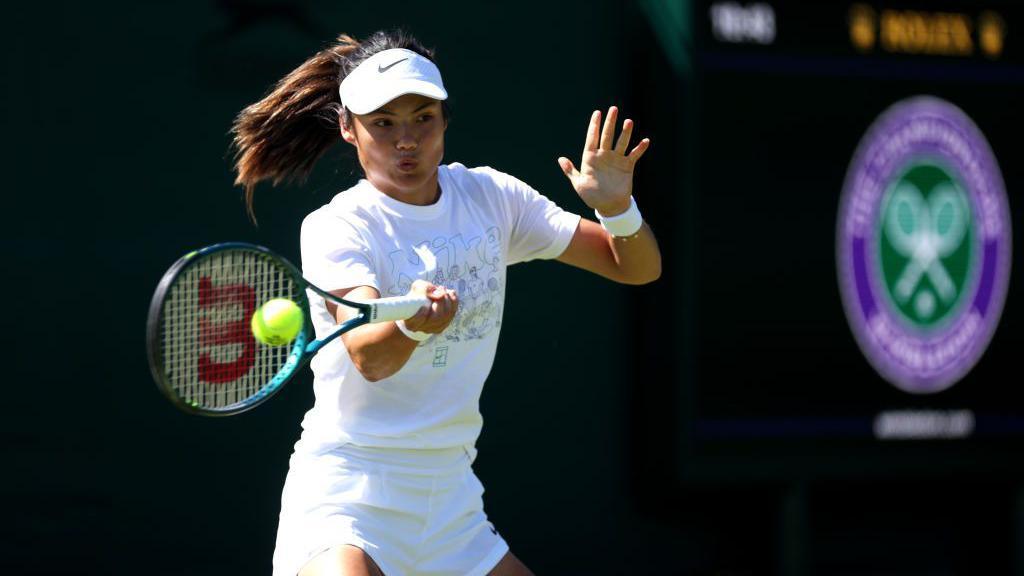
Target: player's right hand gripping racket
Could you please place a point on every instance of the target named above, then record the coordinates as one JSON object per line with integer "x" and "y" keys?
{"x": 202, "y": 352}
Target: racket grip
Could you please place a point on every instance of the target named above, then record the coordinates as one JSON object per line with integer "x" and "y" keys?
{"x": 396, "y": 308}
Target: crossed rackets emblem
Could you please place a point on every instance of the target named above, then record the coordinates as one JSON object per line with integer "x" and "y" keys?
{"x": 926, "y": 231}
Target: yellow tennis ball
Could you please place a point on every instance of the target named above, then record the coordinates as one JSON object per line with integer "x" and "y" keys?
{"x": 277, "y": 322}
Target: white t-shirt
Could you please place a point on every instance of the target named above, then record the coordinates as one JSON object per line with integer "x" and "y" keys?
{"x": 483, "y": 222}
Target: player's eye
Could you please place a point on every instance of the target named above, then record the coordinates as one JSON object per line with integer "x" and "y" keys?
{"x": 426, "y": 118}
{"x": 382, "y": 122}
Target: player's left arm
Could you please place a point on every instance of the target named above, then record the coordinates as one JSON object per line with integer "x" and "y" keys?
{"x": 604, "y": 182}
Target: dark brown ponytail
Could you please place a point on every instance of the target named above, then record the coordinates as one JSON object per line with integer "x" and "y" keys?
{"x": 281, "y": 137}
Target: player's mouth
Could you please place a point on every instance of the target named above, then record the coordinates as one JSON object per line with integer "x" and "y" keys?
{"x": 407, "y": 164}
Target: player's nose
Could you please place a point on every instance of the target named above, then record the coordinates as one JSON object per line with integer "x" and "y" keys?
{"x": 407, "y": 139}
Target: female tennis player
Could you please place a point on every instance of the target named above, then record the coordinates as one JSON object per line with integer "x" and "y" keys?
{"x": 380, "y": 481}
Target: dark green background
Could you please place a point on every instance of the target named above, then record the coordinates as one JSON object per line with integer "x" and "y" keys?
{"x": 116, "y": 162}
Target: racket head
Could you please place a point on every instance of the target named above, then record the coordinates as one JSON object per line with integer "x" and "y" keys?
{"x": 202, "y": 353}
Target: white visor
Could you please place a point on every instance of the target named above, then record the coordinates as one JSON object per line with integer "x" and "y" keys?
{"x": 387, "y": 75}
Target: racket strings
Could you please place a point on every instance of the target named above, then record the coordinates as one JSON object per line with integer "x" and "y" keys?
{"x": 211, "y": 359}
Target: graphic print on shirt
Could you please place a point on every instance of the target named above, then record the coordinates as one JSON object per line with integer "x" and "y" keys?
{"x": 472, "y": 267}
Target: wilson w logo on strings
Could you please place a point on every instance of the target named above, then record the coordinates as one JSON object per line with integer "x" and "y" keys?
{"x": 227, "y": 347}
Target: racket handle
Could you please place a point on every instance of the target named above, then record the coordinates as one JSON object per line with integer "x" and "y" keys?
{"x": 396, "y": 308}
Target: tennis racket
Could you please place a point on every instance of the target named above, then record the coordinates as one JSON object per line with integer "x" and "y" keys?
{"x": 202, "y": 352}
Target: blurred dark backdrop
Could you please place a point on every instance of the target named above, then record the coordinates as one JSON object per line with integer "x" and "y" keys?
{"x": 116, "y": 162}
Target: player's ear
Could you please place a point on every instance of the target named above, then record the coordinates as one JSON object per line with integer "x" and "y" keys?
{"x": 347, "y": 131}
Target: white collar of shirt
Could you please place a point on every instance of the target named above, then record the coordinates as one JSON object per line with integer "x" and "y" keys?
{"x": 411, "y": 211}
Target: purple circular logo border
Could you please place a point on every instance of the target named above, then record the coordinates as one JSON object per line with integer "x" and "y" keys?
{"x": 922, "y": 128}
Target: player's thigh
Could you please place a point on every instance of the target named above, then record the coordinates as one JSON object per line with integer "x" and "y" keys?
{"x": 510, "y": 566}
{"x": 344, "y": 560}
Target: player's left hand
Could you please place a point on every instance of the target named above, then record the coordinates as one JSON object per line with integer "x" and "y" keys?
{"x": 605, "y": 178}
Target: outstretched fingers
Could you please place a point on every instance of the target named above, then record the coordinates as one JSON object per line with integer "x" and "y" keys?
{"x": 608, "y": 133}
{"x": 567, "y": 167}
{"x": 602, "y": 137}
{"x": 639, "y": 150}
{"x": 593, "y": 132}
{"x": 627, "y": 132}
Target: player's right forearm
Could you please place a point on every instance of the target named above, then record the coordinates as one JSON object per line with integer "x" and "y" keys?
{"x": 379, "y": 350}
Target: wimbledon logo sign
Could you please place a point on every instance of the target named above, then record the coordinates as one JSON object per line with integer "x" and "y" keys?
{"x": 923, "y": 245}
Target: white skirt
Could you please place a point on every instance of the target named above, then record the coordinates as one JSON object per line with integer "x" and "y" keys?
{"x": 412, "y": 511}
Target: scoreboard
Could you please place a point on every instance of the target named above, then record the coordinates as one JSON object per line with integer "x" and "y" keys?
{"x": 857, "y": 183}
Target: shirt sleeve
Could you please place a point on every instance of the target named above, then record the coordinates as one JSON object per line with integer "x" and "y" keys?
{"x": 334, "y": 254}
{"x": 539, "y": 228}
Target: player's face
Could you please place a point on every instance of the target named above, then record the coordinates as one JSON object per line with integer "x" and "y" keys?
{"x": 400, "y": 146}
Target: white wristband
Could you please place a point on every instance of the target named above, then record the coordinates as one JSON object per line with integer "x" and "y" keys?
{"x": 625, "y": 224}
{"x": 417, "y": 336}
